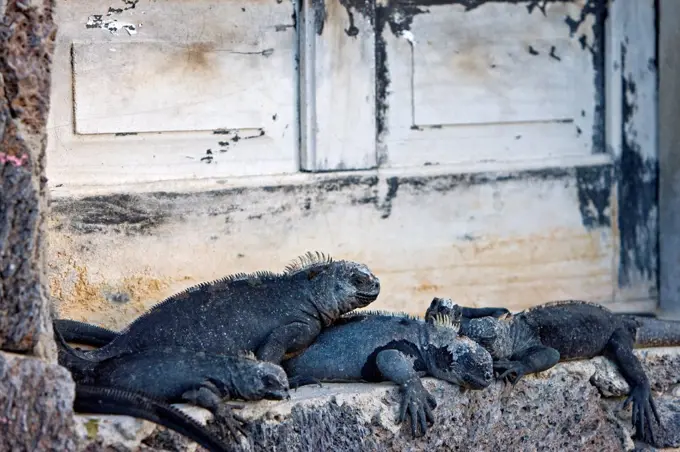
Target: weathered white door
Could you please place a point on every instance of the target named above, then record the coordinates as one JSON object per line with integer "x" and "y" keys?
{"x": 533, "y": 120}
{"x": 497, "y": 152}
{"x": 173, "y": 90}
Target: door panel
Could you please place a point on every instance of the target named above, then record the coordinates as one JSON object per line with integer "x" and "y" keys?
{"x": 493, "y": 83}
{"x": 173, "y": 90}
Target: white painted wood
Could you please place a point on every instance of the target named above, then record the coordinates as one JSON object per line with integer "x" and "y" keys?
{"x": 338, "y": 85}
{"x": 669, "y": 158}
{"x": 304, "y": 178}
{"x": 631, "y": 28}
{"x": 123, "y": 87}
{"x": 632, "y": 24}
{"x": 472, "y": 76}
{"x": 477, "y": 67}
{"x": 171, "y": 72}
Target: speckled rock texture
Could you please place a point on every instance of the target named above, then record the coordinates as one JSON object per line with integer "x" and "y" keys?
{"x": 36, "y": 405}
{"x": 36, "y": 395}
{"x": 574, "y": 406}
{"x": 27, "y": 34}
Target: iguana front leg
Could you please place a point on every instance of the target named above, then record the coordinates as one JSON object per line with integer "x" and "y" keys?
{"x": 475, "y": 313}
{"x": 446, "y": 307}
{"x": 286, "y": 339}
{"x": 209, "y": 397}
{"x": 398, "y": 368}
{"x": 620, "y": 350}
{"x": 534, "y": 359}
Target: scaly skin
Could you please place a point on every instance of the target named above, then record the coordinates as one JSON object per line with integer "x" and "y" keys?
{"x": 381, "y": 346}
{"x": 98, "y": 400}
{"x": 536, "y": 339}
{"x": 176, "y": 374}
{"x": 264, "y": 313}
{"x": 84, "y": 333}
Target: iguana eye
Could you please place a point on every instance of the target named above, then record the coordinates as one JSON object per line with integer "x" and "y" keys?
{"x": 269, "y": 381}
{"x": 360, "y": 277}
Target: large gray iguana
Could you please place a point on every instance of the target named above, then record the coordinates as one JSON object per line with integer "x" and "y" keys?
{"x": 174, "y": 374}
{"x": 383, "y": 346}
{"x": 537, "y": 338}
{"x": 264, "y": 313}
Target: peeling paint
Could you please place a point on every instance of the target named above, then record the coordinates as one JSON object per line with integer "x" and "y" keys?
{"x": 399, "y": 17}
{"x": 598, "y": 10}
{"x": 208, "y": 158}
{"x": 113, "y": 25}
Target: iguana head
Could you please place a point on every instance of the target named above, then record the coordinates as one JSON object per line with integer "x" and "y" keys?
{"x": 458, "y": 359}
{"x": 336, "y": 287}
{"x": 443, "y": 307}
{"x": 256, "y": 380}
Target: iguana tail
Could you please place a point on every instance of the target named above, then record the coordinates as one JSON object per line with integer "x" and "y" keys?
{"x": 653, "y": 332}
{"x": 79, "y": 366}
{"x": 98, "y": 400}
{"x": 84, "y": 333}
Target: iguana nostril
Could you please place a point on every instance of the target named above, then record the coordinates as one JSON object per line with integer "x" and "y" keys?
{"x": 488, "y": 376}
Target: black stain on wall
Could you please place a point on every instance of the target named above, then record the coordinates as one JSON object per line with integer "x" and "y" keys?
{"x": 638, "y": 195}
{"x": 143, "y": 213}
{"x": 120, "y": 213}
{"x": 594, "y": 185}
{"x": 392, "y": 189}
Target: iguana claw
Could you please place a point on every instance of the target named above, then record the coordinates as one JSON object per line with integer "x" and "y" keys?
{"x": 512, "y": 371}
{"x": 297, "y": 381}
{"x": 419, "y": 403}
{"x": 234, "y": 422}
{"x": 644, "y": 409}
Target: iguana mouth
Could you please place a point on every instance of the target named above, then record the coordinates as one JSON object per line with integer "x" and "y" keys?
{"x": 278, "y": 394}
{"x": 366, "y": 296}
{"x": 477, "y": 382}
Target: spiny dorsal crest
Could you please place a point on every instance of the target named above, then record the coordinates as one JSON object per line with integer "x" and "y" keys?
{"x": 307, "y": 261}
{"x": 565, "y": 303}
{"x": 255, "y": 276}
{"x": 247, "y": 354}
{"x": 253, "y": 279}
{"x": 367, "y": 313}
{"x": 446, "y": 321}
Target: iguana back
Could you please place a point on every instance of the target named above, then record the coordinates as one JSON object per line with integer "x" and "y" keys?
{"x": 265, "y": 313}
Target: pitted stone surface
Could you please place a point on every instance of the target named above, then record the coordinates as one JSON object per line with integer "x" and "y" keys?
{"x": 36, "y": 401}
{"x": 560, "y": 409}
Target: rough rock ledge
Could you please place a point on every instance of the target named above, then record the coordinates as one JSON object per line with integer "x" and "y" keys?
{"x": 573, "y": 406}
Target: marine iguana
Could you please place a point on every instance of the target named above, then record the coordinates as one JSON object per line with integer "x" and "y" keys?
{"x": 176, "y": 374}
{"x": 378, "y": 346}
{"x": 97, "y": 336}
{"x": 265, "y": 313}
{"x": 84, "y": 333}
{"x": 98, "y": 400}
{"x": 537, "y": 338}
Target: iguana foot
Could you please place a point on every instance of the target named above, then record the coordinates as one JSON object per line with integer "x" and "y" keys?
{"x": 419, "y": 403}
{"x": 298, "y": 380}
{"x": 644, "y": 409}
{"x": 208, "y": 396}
{"x": 224, "y": 416}
{"x": 510, "y": 371}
